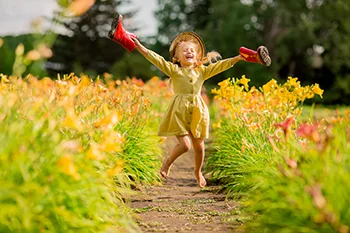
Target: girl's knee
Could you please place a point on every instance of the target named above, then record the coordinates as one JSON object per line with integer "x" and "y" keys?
{"x": 199, "y": 150}
{"x": 198, "y": 147}
{"x": 186, "y": 146}
{"x": 185, "y": 143}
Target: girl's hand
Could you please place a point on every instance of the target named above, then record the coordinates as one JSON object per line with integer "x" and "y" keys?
{"x": 136, "y": 41}
{"x": 142, "y": 49}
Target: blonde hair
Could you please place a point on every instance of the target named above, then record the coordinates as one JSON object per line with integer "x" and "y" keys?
{"x": 210, "y": 57}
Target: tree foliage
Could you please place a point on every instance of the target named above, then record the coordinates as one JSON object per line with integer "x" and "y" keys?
{"x": 84, "y": 46}
{"x": 306, "y": 38}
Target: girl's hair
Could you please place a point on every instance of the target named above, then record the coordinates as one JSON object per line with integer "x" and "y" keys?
{"x": 210, "y": 57}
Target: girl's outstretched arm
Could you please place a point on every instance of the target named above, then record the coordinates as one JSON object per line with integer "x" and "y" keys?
{"x": 220, "y": 66}
{"x": 165, "y": 66}
{"x": 237, "y": 59}
{"x": 142, "y": 49}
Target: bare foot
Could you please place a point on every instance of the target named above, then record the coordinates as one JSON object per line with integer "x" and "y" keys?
{"x": 200, "y": 180}
{"x": 163, "y": 174}
{"x": 164, "y": 171}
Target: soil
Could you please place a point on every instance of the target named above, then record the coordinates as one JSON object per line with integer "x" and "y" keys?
{"x": 179, "y": 205}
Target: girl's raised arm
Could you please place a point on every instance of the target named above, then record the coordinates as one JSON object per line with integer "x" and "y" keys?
{"x": 166, "y": 67}
{"x": 220, "y": 66}
{"x": 142, "y": 49}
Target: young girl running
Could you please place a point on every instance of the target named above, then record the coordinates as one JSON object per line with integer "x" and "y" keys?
{"x": 187, "y": 116}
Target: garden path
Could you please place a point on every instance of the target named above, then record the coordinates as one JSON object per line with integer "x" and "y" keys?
{"x": 179, "y": 205}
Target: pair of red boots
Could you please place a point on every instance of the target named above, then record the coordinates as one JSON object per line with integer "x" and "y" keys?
{"x": 124, "y": 38}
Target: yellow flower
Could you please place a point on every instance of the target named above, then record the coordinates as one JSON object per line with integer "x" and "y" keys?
{"x": 112, "y": 142}
{"x": 117, "y": 169}
{"x": 244, "y": 81}
{"x": 85, "y": 81}
{"x": 217, "y": 125}
{"x": 293, "y": 82}
{"x": 66, "y": 165}
{"x": 71, "y": 120}
{"x": 254, "y": 126}
{"x": 94, "y": 152}
{"x": 19, "y": 50}
{"x": 268, "y": 87}
{"x": 1, "y": 42}
{"x": 108, "y": 121}
{"x": 162, "y": 140}
{"x": 225, "y": 83}
{"x": 317, "y": 90}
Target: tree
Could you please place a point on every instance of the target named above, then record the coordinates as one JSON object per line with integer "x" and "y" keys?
{"x": 307, "y": 39}
{"x": 222, "y": 25}
{"x": 85, "y": 46}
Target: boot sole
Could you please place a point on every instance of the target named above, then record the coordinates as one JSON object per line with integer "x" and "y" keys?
{"x": 264, "y": 55}
{"x": 113, "y": 26}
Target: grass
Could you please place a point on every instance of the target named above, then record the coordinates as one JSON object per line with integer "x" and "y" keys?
{"x": 290, "y": 168}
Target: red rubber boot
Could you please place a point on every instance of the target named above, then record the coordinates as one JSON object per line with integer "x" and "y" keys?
{"x": 120, "y": 35}
{"x": 260, "y": 56}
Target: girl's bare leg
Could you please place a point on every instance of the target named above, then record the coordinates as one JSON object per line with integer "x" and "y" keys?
{"x": 199, "y": 150}
{"x": 183, "y": 146}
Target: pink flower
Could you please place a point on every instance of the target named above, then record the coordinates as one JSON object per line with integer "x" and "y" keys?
{"x": 309, "y": 131}
{"x": 317, "y": 196}
{"x": 286, "y": 126}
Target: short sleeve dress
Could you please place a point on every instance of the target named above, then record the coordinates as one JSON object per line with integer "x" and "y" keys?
{"x": 187, "y": 112}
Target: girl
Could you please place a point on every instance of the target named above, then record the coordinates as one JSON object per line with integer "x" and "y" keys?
{"x": 187, "y": 116}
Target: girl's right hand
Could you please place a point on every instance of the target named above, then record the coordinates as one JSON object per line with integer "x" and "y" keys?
{"x": 136, "y": 41}
{"x": 142, "y": 49}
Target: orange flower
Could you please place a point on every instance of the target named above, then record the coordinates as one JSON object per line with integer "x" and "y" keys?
{"x": 45, "y": 51}
{"x": 79, "y": 7}
{"x": 66, "y": 165}
{"x": 291, "y": 162}
{"x": 137, "y": 82}
{"x": 33, "y": 55}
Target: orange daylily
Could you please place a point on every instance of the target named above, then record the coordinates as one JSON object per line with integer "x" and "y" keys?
{"x": 79, "y": 7}
{"x": 66, "y": 165}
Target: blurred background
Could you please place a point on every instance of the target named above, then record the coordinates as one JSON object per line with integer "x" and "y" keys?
{"x": 307, "y": 39}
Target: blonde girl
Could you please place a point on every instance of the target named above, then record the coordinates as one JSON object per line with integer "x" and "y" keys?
{"x": 187, "y": 116}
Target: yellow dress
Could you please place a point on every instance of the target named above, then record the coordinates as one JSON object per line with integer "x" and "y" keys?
{"x": 187, "y": 111}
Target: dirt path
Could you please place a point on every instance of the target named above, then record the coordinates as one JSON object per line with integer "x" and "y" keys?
{"x": 180, "y": 206}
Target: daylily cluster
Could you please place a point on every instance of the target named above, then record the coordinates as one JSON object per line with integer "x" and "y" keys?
{"x": 79, "y": 105}
{"x": 73, "y": 140}
{"x": 272, "y": 99}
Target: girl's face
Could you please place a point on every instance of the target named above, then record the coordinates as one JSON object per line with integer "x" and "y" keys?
{"x": 186, "y": 54}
